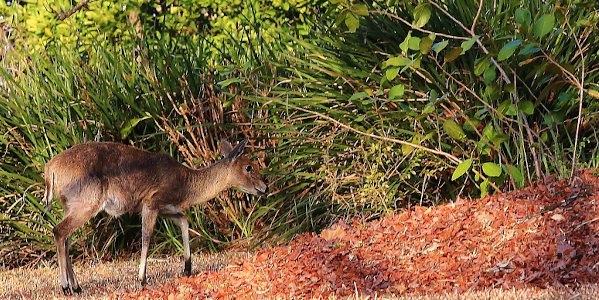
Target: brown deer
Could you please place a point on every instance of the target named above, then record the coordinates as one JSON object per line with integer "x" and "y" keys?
{"x": 116, "y": 178}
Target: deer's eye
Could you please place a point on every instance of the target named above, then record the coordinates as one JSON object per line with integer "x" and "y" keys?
{"x": 248, "y": 168}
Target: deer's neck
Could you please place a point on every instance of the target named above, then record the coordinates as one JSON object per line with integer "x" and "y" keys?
{"x": 207, "y": 183}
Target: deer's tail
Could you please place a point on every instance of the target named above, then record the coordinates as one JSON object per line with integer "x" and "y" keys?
{"x": 49, "y": 193}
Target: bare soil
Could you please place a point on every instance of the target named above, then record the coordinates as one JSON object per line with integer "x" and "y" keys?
{"x": 537, "y": 243}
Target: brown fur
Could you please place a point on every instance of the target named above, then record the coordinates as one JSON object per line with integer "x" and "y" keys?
{"x": 117, "y": 178}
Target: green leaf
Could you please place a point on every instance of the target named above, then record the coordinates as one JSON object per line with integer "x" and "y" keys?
{"x": 510, "y": 88}
{"x": 491, "y": 169}
{"x": 528, "y": 49}
{"x": 490, "y": 74}
{"x": 511, "y": 110}
{"x": 527, "y": 107}
{"x": 466, "y": 45}
{"x": 489, "y": 131}
{"x": 522, "y": 16}
{"x": 414, "y": 43}
{"x": 131, "y": 123}
{"x": 503, "y": 106}
{"x": 407, "y": 149}
{"x": 358, "y": 95}
{"x": 516, "y": 176}
{"x": 398, "y": 61}
{"x": 472, "y": 125}
{"x": 461, "y": 169}
{"x": 433, "y": 96}
{"x": 454, "y": 130}
{"x": 391, "y": 73}
{"x": 453, "y": 54}
{"x": 352, "y": 22}
{"x": 225, "y": 83}
{"x": 481, "y": 65}
{"x": 341, "y": 18}
{"x": 499, "y": 138}
{"x": 429, "y": 108}
{"x": 422, "y": 13}
{"x": 396, "y": 92}
{"x": 414, "y": 63}
{"x": 426, "y": 45}
{"x": 432, "y": 36}
{"x": 508, "y": 50}
{"x": 544, "y": 25}
{"x": 359, "y": 9}
{"x": 484, "y": 188}
{"x": 437, "y": 47}
{"x": 405, "y": 44}
{"x": 584, "y": 22}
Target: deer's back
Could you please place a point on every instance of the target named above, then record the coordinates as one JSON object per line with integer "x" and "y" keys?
{"x": 124, "y": 174}
{"x": 108, "y": 159}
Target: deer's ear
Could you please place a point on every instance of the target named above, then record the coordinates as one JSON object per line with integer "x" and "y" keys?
{"x": 225, "y": 147}
{"x": 234, "y": 153}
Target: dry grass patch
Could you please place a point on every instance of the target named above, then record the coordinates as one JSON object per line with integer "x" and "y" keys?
{"x": 99, "y": 279}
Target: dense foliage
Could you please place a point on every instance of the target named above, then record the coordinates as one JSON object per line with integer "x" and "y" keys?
{"x": 367, "y": 108}
{"x": 123, "y": 22}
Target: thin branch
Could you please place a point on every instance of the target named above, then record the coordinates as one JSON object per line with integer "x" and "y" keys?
{"x": 581, "y": 95}
{"x": 450, "y": 16}
{"x": 475, "y": 95}
{"x": 452, "y": 158}
{"x": 74, "y": 9}
{"x": 478, "y": 41}
{"x": 417, "y": 28}
{"x": 340, "y": 124}
{"x": 583, "y": 223}
{"x": 480, "y": 8}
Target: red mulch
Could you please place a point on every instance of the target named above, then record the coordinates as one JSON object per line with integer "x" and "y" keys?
{"x": 545, "y": 235}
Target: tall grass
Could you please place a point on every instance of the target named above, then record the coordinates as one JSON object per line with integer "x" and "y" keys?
{"x": 154, "y": 98}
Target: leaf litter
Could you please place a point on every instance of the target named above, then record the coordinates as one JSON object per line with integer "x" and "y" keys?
{"x": 541, "y": 236}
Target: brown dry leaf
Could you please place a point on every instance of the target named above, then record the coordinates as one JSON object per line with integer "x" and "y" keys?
{"x": 564, "y": 249}
{"x": 331, "y": 234}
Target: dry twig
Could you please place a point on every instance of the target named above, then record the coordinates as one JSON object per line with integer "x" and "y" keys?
{"x": 63, "y": 15}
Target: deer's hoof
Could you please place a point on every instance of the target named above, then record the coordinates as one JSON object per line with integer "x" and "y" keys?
{"x": 71, "y": 291}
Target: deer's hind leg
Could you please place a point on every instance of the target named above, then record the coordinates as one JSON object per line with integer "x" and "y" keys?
{"x": 76, "y": 213}
{"x": 148, "y": 220}
{"x": 181, "y": 220}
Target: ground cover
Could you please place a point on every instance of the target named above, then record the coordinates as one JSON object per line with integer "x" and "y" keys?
{"x": 540, "y": 242}
{"x": 541, "y": 236}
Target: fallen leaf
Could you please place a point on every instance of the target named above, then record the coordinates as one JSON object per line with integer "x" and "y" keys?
{"x": 294, "y": 255}
{"x": 564, "y": 249}
{"x": 330, "y": 234}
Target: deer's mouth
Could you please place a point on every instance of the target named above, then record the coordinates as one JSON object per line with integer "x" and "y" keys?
{"x": 258, "y": 191}
{"x": 262, "y": 192}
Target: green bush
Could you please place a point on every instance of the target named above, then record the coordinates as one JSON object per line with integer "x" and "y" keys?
{"x": 109, "y": 22}
{"x": 499, "y": 92}
{"x": 404, "y": 103}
